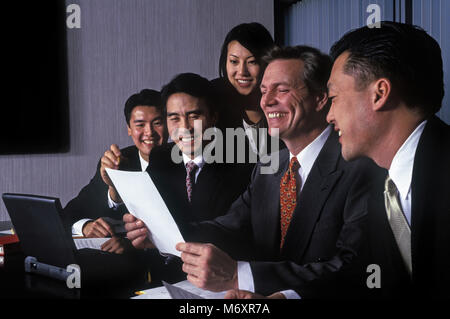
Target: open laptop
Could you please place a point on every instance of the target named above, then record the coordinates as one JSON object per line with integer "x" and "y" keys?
{"x": 37, "y": 222}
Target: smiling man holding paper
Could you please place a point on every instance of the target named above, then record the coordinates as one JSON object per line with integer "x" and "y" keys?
{"x": 142, "y": 198}
{"x": 191, "y": 188}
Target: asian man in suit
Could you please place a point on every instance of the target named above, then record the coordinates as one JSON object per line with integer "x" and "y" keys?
{"x": 208, "y": 189}
{"x": 93, "y": 211}
{"x": 298, "y": 221}
{"x": 193, "y": 187}
{"x": 386, "y": 86}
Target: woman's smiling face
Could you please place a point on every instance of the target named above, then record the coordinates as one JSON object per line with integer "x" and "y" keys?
{"x": 242, "y": 67}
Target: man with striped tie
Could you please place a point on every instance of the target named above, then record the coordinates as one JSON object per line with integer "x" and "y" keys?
{"x": 193, "y": 188}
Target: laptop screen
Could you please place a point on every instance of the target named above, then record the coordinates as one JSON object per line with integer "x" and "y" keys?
{"x": 36, "y": 220}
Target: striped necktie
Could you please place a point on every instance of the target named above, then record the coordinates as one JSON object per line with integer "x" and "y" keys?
{"x": 191, "y": 167}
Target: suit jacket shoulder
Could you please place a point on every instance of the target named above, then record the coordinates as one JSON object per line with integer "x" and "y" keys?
{"x": 430, "y": 210}
{"x": 430, "y": 221}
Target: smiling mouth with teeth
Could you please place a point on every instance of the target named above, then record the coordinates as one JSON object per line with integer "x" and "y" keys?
{"x": 339, "y": 133}
{"x": 276, "y": 115}
{"x": 186, "y": 139}
{"x": 148, "y": 142}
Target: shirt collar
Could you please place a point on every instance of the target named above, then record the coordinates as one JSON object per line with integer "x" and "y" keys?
{"x": 197, "y": 160}
{"x": 246, "y": 125}
{"x": 403, "y": 162}
{"x": 144, "y": 163}
{"x": 308, "y": 155}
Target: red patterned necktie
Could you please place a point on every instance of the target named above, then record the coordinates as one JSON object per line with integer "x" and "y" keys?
{"x": 191, "y": 167}
{"x": 288, "y": 196}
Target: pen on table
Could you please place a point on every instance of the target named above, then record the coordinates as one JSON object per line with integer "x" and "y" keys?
{"x": 149, "y": 280}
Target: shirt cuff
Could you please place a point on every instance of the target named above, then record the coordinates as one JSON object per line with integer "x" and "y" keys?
{"x": 77, "y": 228}
{"x": 290, "y": 294}
{"x": 112, "y": 204}
{"x": 245, "y": 276}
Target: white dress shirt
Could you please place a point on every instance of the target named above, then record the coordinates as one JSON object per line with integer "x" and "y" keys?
{"x": 402, "y": 168}
{"x": 77, "y": 227}
{"x": 251, "y": 130}
{"x": 306, "y": 158}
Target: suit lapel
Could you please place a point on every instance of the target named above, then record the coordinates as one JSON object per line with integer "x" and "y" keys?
{"x": 170, "y": 179}
{"x": 269, "y": 213}
{"x": 382, "y": 235}
{"x": 423, "y": 209}
{"x": 135, "y": 162}
{"x": 383, "y": 246}
{"x": 207, "y": 185}
{"x": 316, "y": 190}
{"x": 177, "y": 192}
{"x": 418, "y": 195}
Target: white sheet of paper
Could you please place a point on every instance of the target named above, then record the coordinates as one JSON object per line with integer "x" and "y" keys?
{"x": 93, "y": 243}
{"x": 143, "y": 200}
{"x": 162, "y": 293}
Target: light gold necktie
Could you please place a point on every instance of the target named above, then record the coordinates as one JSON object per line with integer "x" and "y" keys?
{"x": 398, "y": 222}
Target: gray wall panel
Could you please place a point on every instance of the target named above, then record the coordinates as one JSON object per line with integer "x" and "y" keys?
{"x": 124, "y": 46}
{"x": 321, "y": 22}
{"x": 337, "y": 17}
{"x": 432, "y": 15}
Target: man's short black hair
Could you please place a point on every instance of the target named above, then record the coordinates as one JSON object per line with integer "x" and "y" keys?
{"x": 192, "y": 84}
{"x": 404, "y": 54}
{"x": 146, "y": 97}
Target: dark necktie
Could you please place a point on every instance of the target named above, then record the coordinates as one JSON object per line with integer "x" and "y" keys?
{"x": 191, "y": 167}
{"x": 288, "y": 197}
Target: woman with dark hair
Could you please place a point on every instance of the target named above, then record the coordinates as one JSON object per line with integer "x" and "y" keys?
{"x": 241, "y": 68}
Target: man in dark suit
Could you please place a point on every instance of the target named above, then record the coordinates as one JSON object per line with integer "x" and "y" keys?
{"x": 190, "y": 111}
{"x": 386, "y": 86}
{"x": 193, "y": 188}
{"x": 95, "y": 208}
{"x": 297, "y": 221}
{"x": 208, "y": 189}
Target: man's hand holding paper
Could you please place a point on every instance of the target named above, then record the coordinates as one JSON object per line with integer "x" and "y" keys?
{"x": 154, "y": 223}
{"x": 137, "y": 232}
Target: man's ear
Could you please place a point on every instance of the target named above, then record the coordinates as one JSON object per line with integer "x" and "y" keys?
{"x": 321, "y": 101}
{"x": 381, "y": 91}
{"x": 129, "y": 130}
